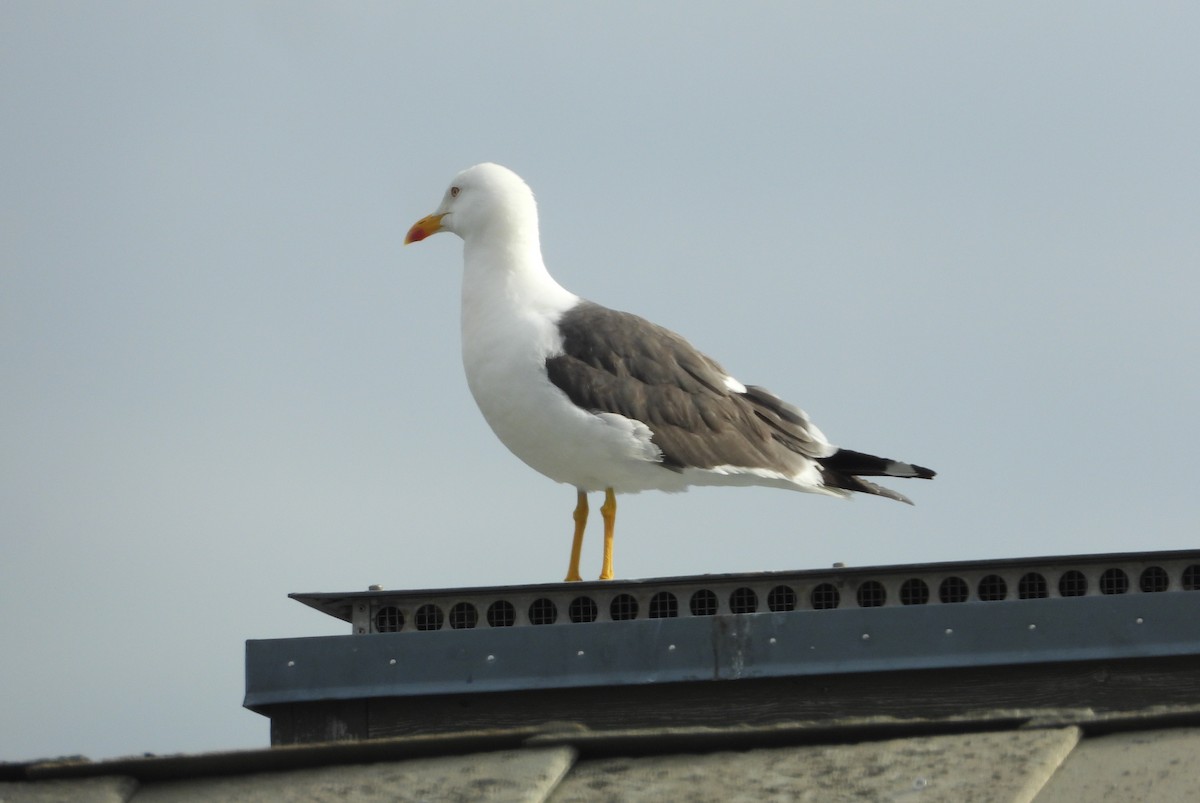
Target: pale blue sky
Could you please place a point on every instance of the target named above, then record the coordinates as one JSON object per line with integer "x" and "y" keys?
{"x": 960, "y": 235}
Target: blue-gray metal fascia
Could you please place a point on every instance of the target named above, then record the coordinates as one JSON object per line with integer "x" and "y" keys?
{"x": 723, "y": 647}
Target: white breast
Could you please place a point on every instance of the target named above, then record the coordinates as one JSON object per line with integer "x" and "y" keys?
{"x": 509, "y": 328}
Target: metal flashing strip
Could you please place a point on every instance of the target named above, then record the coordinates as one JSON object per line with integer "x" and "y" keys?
{"x": 723, "y": 646}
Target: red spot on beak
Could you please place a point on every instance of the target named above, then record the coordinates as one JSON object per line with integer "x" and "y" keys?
{"x": 423, "y": 228}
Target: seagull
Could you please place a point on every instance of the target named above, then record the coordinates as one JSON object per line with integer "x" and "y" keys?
{"x": 605, "y": 400}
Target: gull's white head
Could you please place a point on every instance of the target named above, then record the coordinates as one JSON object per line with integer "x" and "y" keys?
{"x": 482, "y": 201}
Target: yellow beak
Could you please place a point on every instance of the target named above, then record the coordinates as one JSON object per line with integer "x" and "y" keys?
{"x": 424, "y": 227}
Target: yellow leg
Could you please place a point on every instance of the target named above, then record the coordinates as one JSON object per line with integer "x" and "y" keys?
{"x": 580, "y": 516}
{"x": 609, "y": 511}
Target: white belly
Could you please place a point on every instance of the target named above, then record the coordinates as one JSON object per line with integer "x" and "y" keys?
{"x": 505, "y": 362}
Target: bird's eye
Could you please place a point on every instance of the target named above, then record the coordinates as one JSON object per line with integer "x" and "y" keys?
{"x": 454, "y": 192}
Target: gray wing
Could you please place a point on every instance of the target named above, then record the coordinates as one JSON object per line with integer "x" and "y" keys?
{"x": 615, "y": 362}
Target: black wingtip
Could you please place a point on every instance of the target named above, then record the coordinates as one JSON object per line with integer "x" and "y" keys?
{"x": 848, "y": 461}
{"x": 846, "y": 468}
{"x": 923, "y": 473}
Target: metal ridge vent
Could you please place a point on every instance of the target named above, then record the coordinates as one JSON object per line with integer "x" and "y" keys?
{"x": 1022, "y": 580}
{"x": 951, "y": 617}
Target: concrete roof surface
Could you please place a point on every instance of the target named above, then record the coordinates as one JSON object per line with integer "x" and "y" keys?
{"x": 1002, "y": 756}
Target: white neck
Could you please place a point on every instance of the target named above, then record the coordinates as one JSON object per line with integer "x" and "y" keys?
{"x": 510, "y": 310}
{"x": 508, "y": 272}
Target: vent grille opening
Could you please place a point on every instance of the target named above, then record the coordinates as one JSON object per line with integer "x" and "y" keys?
{"x": 825, "y": 597}
{"x": 703, "y": 603}
{"x": 463, "y": 616}
{"x": 1154, "y": 579}
{"x": 871, "y": 594}
{"x": 1191, "y": 578}
{"x": 743, "y": 600}
{"x": 954, "y": 589}
{"x": 781, "y": 598}
{"x": 1114, "y": 581}
{"x": 663, "y": 605}
{"x": 583, "y": 609}
{"x": 623, "y": 608}
{"x": 501, "y": 613}
{"x": 1032, "y": 586}
{"x": 543, "y": 611}
{"x": 1072, "y": 584}
{"x": 915, "y": 591}
{"x": 992, "y": 588}
{"x": 429, "y": 617}
{"x": 389, "y": 619}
